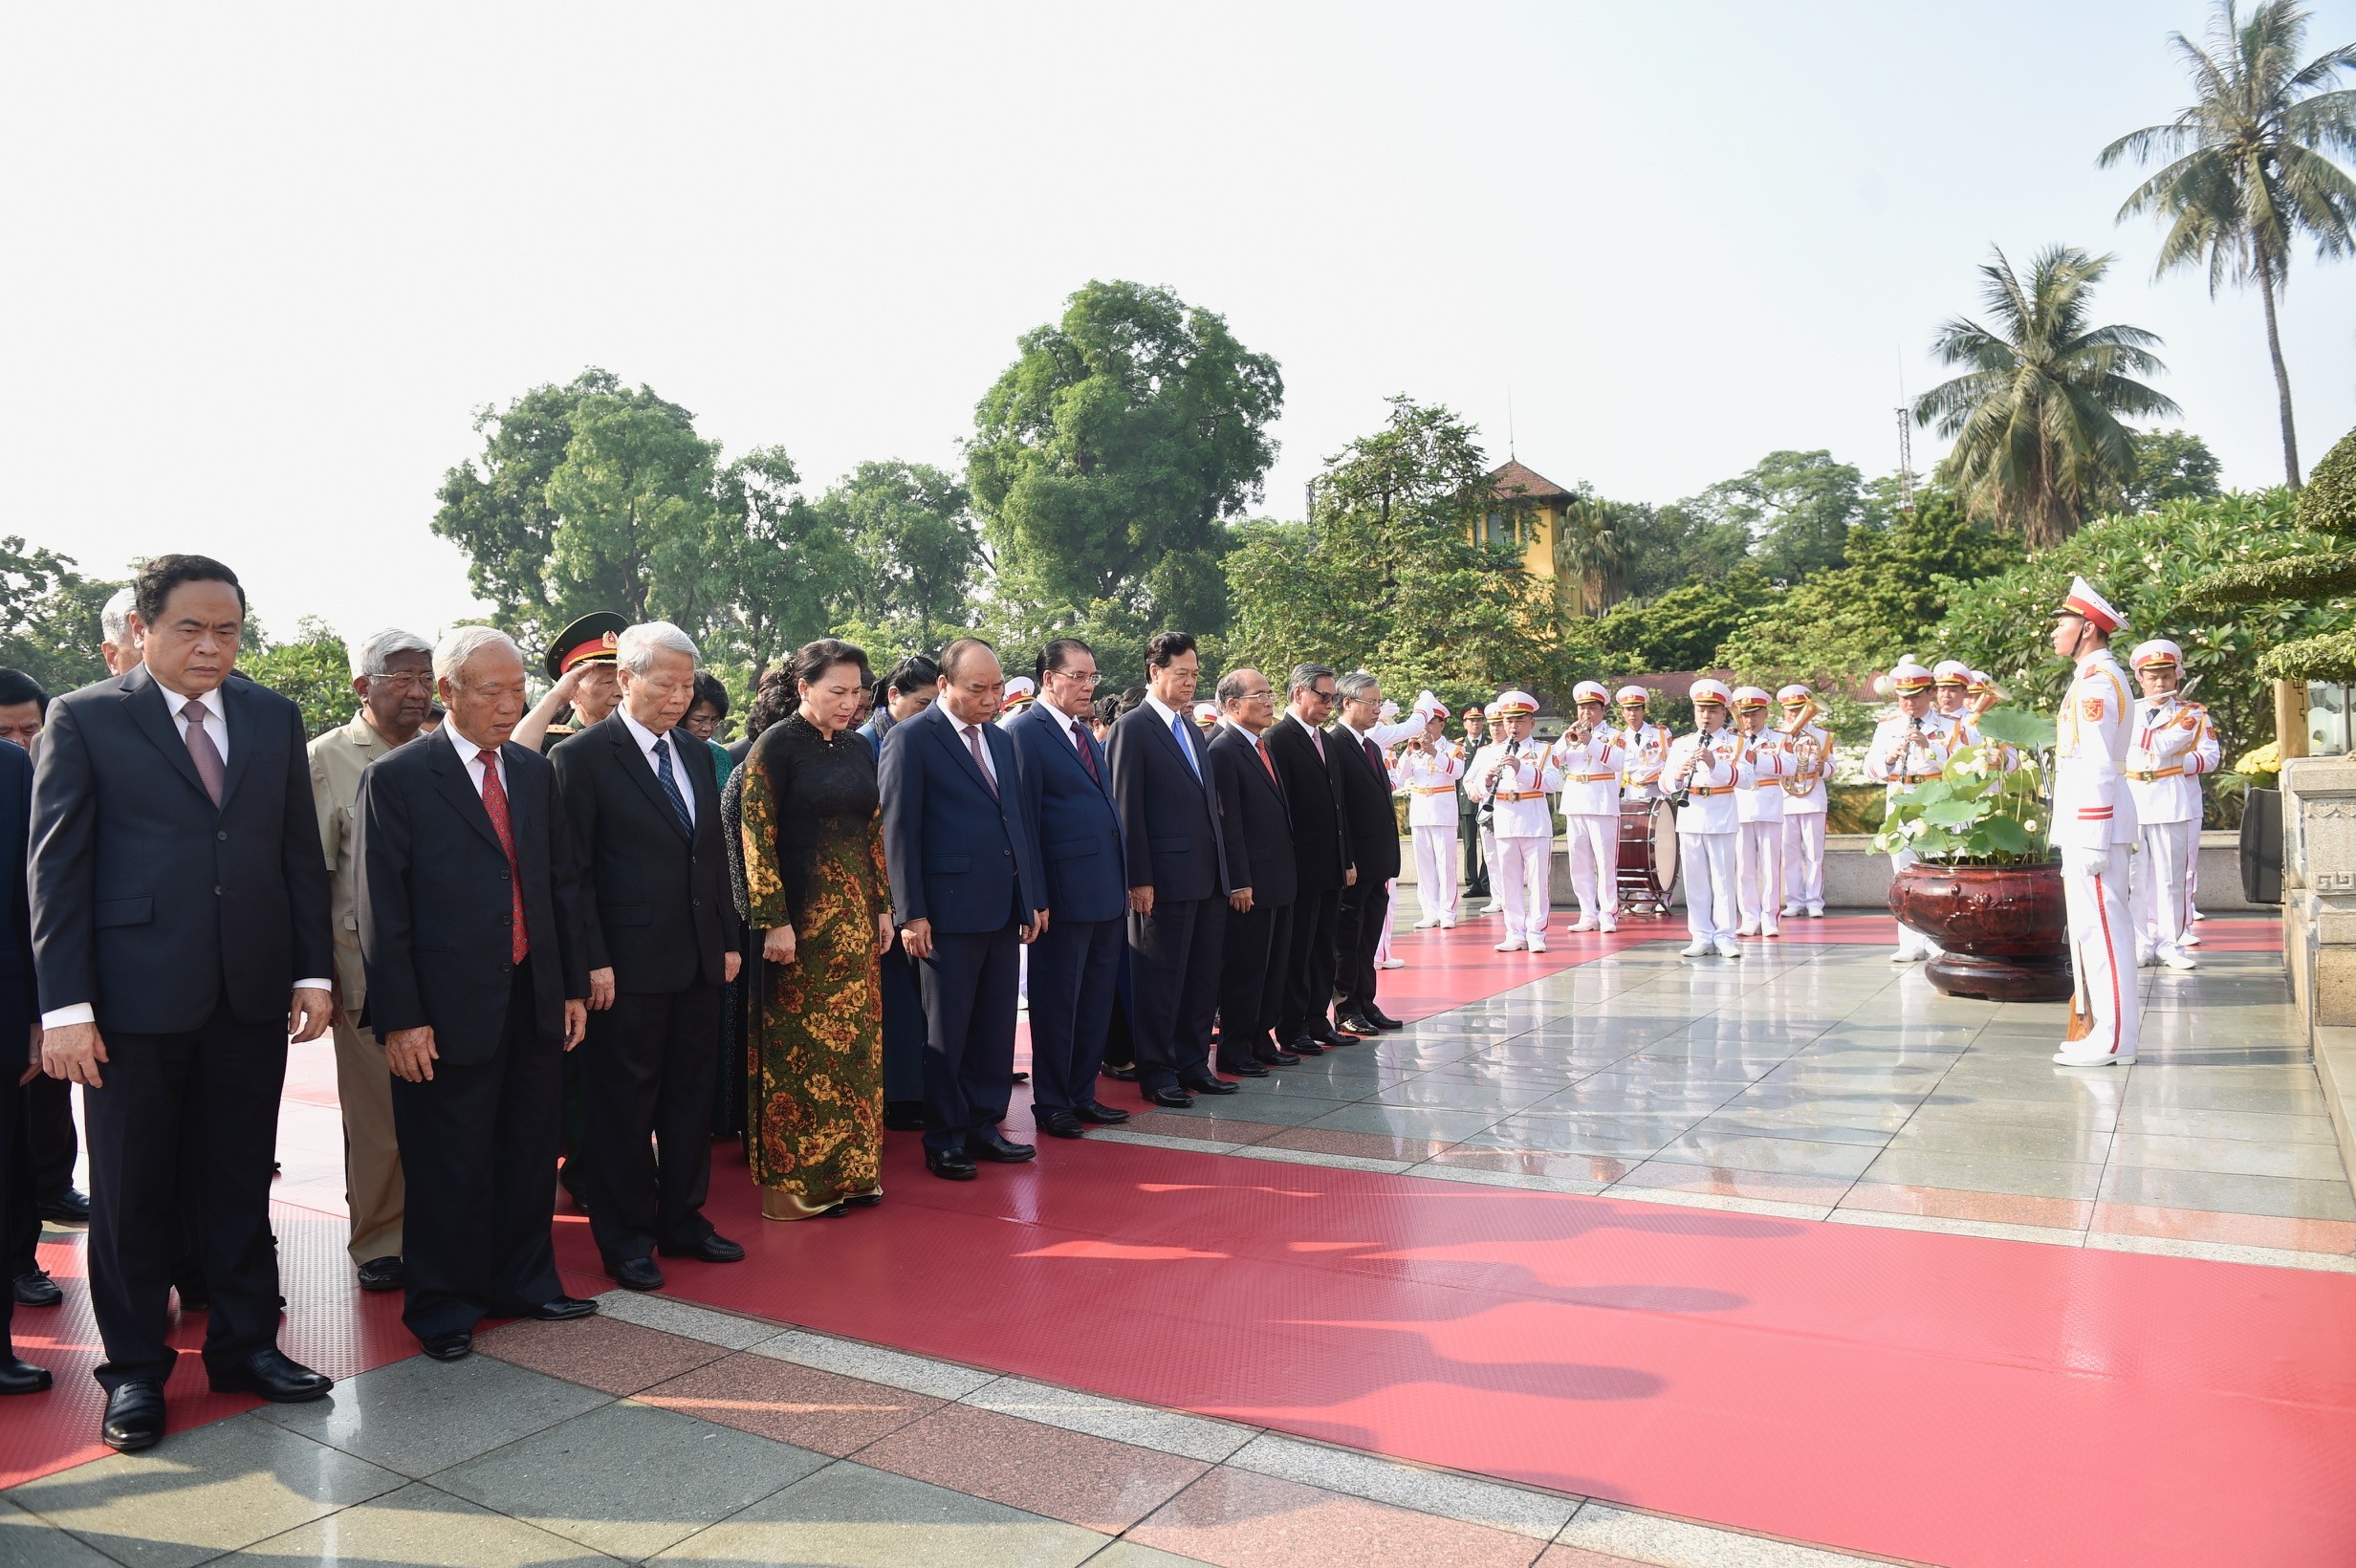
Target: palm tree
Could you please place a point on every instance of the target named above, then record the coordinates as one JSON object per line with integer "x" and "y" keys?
{"x": 2035, "y": 421}
{"x": 1590, "y": 552}
{"x": 2248, "y": 172}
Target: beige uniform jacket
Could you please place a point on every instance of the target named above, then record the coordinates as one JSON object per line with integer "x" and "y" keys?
{"x": 337, "y": 761}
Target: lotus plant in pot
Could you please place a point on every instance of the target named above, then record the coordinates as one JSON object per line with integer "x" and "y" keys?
{"x": 1987, "y": 888}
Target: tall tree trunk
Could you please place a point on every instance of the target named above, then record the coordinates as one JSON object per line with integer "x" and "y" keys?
{"x": 2282, "y": 381}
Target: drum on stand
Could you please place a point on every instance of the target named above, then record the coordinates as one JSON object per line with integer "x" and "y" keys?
{"x": 1647, "y": 856}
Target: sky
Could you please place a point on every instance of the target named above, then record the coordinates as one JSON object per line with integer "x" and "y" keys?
{"x": 263, "y": 266}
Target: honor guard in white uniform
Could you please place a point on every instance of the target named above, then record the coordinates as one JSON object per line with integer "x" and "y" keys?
{"x": 2094, "y": 828}
{"x": 1592, "y": 757}
{"x": 1647, "y": 746}
{"x": 1428, "y": 769}
{"x": 1483, "y": 816}
{"x": 1702, "y": 774}
{"x": 1907, "y": 748}
{"x": 1758, "y": 817}
{"x": 1951, "y": 688}
{"x": 1804, "y": 803}
{"x": 1515, "y": 777}
{"x": 1022, "y": 691}
{"x": 2171, "y": 748}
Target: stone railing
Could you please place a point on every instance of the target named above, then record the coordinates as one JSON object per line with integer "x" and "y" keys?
{"x": 2318, "y": 887}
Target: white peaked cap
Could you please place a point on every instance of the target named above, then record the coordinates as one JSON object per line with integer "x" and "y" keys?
{"x": 1206, "y": 713}
{"x": 1590, "y": 691}
{"x": 1749, "y": 696}
{"x": 2084, "y": 601}
{"x": 1020, "y": 689}
{"x": 1513, "y": 703}
{"x": 1952, "y": 672}
{"x": 2159, "y": 650}
{"x": 1710, "y": 691}
{"x": 1792, "y": 695}
{"x": 1627, "y": 694}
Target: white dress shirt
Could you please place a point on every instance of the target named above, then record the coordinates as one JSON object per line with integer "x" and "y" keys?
{"x": 478, "y": 758}
{"x": 645, "y": 739}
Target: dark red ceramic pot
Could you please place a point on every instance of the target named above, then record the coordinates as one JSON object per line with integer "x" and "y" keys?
{"x": 2003, "y": 929}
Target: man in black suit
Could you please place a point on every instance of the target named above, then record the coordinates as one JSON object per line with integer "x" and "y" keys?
{"x": 1076, "y": 963}
{"x": 1303, "y": 754}
{"x": 180, "y": 933}
{"x": 470, "y": 927}
{"x": 1177, "y": 869}
{"x": 960, "y": 831}
{"x": 645, "y": 811}
{"x": 1260, "y": 870}
{"x": 19, "y": 1017}
{"x": 1371, "y": 826}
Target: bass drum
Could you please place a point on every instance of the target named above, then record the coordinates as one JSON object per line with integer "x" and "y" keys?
{"x": 1647, "y": 856}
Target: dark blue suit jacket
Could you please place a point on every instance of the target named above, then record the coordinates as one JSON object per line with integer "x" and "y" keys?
{"x": 1170, "y": 817}
{"x": 149, "y": 901}
{"x": 1080, "y": 827}
{"x": 959, "y": 856}
{"x": 1256, "y": 820}
{"x": 435, "y": 897}
{"x": 15, "y": 899}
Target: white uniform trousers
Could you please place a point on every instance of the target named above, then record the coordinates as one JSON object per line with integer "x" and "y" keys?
{"x": 1488, "y": 859}
{"x": 1759, "y": 871}
{"x": 1436, "y": 867}
{"x": 1595, "y": 864}
{"x": 2103, "y": 953}
{"x": 1390, "y": 902}
{"x": 1521, "y": 874}
{"x": 1911, "y": 943}
{"x": 1706, "y": 867}
{"x": 1803, "y": 861}
{"x": 2162, "y": 878}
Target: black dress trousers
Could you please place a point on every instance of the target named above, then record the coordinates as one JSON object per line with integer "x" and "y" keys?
{"x": 1365, "y": 914}
{"x": 1309, "y": 973}
{"x": 1174, "y": 970}
{"x": 646, "y": 1079}
{"x": 479, "y": 1142}
{"x": 969, "y": 982}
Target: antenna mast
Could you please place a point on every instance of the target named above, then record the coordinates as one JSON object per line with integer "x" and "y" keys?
{"x": 1906, "y": 461}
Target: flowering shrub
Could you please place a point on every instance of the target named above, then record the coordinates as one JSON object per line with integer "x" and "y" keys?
{"x": 1979, "y": 811}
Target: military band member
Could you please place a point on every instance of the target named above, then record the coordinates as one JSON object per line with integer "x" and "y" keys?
{"x": 1474, "y": 883}
{"x": 586, "y": 685}
{"x": 1592, "y": 756}
{"x": 1758, "y": 817}
{"x": 2094, "y": 827}
{"x": 1428, "y": 769}
{"x": 2172, "y": 746}
{"x": 1907, "y": 748}
{"x": 1805, "y": 805}
{"x": 1702, "y": 771}
{"x": 1515, "y": 777}
{"x": 1022, "y": 691}
{"x": 1647, "y": 746}
{"x": 1951, "y": 688}
{"x": 1485, "y": 814}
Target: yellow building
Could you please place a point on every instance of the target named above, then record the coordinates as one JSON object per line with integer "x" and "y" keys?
{"x": 1526, "y": 513}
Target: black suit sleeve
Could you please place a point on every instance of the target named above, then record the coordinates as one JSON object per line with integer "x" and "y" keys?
{"x": 576, "y": 797}
{"x": 382, "y": 846}
{"x": 900, "y": 781}
{"x": 1226, "y": 776}
{"x": 308, "y": 906}
{"x": 1033, "y": 790}
{"x": 575, "y": 918}
{"x": 21, "y": 897}
{"x": 63, "y": 873}
{"x": 1128, "y": 763}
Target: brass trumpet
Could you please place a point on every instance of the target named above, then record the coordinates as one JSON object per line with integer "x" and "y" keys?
{"x": 1807, "y": 759}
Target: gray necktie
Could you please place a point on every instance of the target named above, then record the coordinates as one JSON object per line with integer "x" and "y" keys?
{"x": 202, "y": 752}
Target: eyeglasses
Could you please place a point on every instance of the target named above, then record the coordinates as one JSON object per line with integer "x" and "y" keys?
{"x": 417, "y": 680}
{"x": 1091, "y": 678}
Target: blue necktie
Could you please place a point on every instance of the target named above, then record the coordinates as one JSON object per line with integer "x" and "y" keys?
{"x": 1178, "y": 733}
{"x": 670, "y": 783}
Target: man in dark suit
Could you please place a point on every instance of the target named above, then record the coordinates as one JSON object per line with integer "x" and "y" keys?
{"x": 1371, "y": 824}
{"x": 180, "y": 933}
{"x": 1260, "y": 868}
{"x": 645, "y": 811}
{"x": 471, "y": 927}
{"x": 1176, "y": 853}
{"x": 960, "y": 837}
{"x": 1076, "y": 963}
{"x": 19, "y": 1022}
{"x": 1303, "y": 756}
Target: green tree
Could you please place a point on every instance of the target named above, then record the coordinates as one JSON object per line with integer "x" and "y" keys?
{"x": 2315, "y": 578}
{"x": 1107, "y": 458}
{"x": 2169, "y": 465}
{"x": 636, "y": 512}
{"x": 789, "y": 569}
{"x": 495, "y": 508}
{"x": 1591, "y": 550}
{"x": 916, "y": 550}
{"x": 2035, "y": 419}
{"x": 1679, "y": 543}
{"x": 1795, "y": 510}
{"x": 48, "y": 617}
{"x": 2247, "y": 173}
{"x": 313, "y": 671}
{"x": 1682, "y": 629}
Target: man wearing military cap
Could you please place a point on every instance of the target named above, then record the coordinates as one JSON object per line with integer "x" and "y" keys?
{"x": 1514, "y": 777}
{"x": 1592, "y": 756}
{"x": 2171, "y": 746}
{"x": 2094, "y": 828}
{"x": 579, "y": 661}
{"x": 1908, "y": 749}
{"x": 1473, "y": 880}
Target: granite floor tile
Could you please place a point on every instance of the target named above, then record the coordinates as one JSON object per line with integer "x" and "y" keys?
{"x": 1955, "y": 1203}
{"x": 419, "y": 1416}
{"x": 29, "y": 1541}
{"x": 875, "y": 1363}
{"x": 1238, "y": 1519}
{"x": 651, "y": 1309}
{"x": 848, "y": 1515}
{"x": 2287, "y": 1197}
{"x": 1987, "y": 1173}
{"x": 1610, "y": 1135}
{"x": 627, "y": 1479}
{"x": 1987, "y": 1137}
{"x": 1734, "y": 1124}
{"x": 1363, "y": 1146}
{"x": 419, "y": 1525}
{"x": 1434, "y": 1125}
{"x": 1377, "y": 1479}
{"x": 604, "y": 1353}
{"x": 1202, "y": 1129}
{"x": 209, "y": 1490}
{"x": 1144, "y": 1425}
{"x": 1592, "y": 1169}
{"x": 1662, "y": 1177}
{"x": 788, "y": 1403}
{"x": 1093, "y": 1482}
{"x": 1676, "y": 1544}
{"x": 2240, "y": 1157}
{"x": 1793, "y": 1156}
{"x": 2288, "y": 1234}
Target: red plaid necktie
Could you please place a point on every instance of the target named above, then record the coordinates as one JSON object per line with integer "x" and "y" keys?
{"x": 495, "y": 802}
{"x": 1088, "y": 752}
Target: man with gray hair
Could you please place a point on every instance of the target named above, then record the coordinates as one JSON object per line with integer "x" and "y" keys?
{"x": 645, "y": 821}
{"x": 392, "y": 674}
{"x": 118, "y": 639}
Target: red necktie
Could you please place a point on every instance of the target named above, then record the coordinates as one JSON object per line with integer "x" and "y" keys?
{"x": 1088, "y": 753}
{"x": 1262, "y": 746}
{"x": 495, "y": 803}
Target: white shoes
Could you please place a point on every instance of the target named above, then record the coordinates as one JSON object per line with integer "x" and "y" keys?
{"x": 1727, "y": 947}
{"x": 1497, "y": 906}
{"x": 1747, "y": 928}
{"x": 1815, "y": 911}
{"x": 2068, "y": 1057}
{"x": 2190, "y": 939}
{"x": 1700, "y": 947}
{"x": 1392, "y": 964}
{"x": 2147, "y": 958}
{"x": 1448, "y": 922}
{"x": 1426, "y": 923}
{"x": 1584, "y": 923}
{"x": 1770, "y": 931}
{"x": 2175, "y": 958}
{"x": 1608, "y": 924}
{"x": 1511, "y": 944}
{"x": 1909, "y": 955}
{"x": 1537, "y": 943}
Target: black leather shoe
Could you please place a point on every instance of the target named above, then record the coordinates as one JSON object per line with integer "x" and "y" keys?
{"x": 1126, "y": 1074}
{"x": 382, "y": 1274}
{"x": 904, "y": 1116}
{"x": 1328, "y": 1037}
{"x": 712, "y": 1248}
{"x": 133, "y": 1417}
{"x": 1305, "y": 1046}
{"x": 274, "y": 1376}
{"x": 1210, "y": 1085}
{"x": 1059, "y": 1123}
{"x": 1278, "y": 1058}
{"x": 865, "y": 1200}
{"x": 1100, "y": 1114}
{"x": 635, "y": 1273}
{"x": 997, "y": 1149}
{"x": 35, "y": 1290}
{"x": 1022, "y": 1078}
{"x": 448, "y": 1347}
{"x": 561, "y": 1309}
{"x": 1248, "y": 1069}
{"x": 22, "y": 1377}
{"x": 68, "y": 1207}
{"x": 1172, "y": 1095}
{"x": 1352, "y": 1023}
{"x": 949, "y": 1167}
{"x": 1383, "y": 1020}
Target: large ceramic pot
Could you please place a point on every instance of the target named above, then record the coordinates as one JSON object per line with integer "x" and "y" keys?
{"x": 2003, "y": 929}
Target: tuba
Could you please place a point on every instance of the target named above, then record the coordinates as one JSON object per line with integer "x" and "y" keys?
{"x": 1808, "y": 756}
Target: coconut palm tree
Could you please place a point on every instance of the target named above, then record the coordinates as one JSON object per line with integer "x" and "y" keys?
{"x": 2247, "y": 173}
{"x": 2035, "y": 421}
{"x": 1591, "y": 554}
